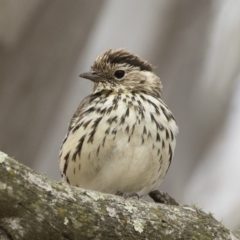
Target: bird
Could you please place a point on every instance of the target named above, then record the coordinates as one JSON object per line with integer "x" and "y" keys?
{"x": 122, "y": 137}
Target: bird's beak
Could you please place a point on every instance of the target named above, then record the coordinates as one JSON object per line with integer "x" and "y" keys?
{"x": 91, "y": 76}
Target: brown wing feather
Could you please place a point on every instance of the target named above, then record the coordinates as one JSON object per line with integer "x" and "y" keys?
{"x": 77, "y": 114}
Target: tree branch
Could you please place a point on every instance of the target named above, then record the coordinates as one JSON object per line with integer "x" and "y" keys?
{"x": 35, "y": 207}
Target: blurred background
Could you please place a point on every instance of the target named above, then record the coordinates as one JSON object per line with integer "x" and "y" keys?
{"x": 195, "y": 46}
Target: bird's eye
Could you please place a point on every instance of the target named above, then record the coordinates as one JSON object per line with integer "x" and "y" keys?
{"x": 119, "y": 74}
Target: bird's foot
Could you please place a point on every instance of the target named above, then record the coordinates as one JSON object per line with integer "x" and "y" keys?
{"x": 164, "y": 198}
{"x": 128, "y": 195}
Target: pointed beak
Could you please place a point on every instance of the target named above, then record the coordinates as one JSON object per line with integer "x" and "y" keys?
{"x": 91, "y": 76}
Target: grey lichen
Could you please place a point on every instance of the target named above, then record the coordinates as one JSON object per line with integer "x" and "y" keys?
{"x": 66, "y": 221}
{"x": 95, "y": 196}
{"x": 3, "y": 156}
{"x": 112, "y": 212}
{"x": 129, "y": 207}
{"x": 138, "y": 226}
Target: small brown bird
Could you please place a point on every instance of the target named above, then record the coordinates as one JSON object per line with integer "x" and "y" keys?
{"x": 121, "y": 138}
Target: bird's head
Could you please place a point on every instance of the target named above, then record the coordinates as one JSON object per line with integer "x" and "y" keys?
{"x": 119, "y": 70}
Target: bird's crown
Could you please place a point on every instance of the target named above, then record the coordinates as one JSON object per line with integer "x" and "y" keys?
{"x": 121, "y": 57}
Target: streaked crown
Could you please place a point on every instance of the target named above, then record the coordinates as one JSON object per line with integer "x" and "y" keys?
{"x": 120, "y": 57}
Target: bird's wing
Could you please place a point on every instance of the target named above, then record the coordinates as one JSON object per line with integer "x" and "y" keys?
{"x": 77, "y": 115}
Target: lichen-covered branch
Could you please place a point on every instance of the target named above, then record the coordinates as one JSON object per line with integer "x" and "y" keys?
{"x": 35, "y": 207}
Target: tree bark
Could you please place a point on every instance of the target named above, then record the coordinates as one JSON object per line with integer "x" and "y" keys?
{"x": 35, "y": 207}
